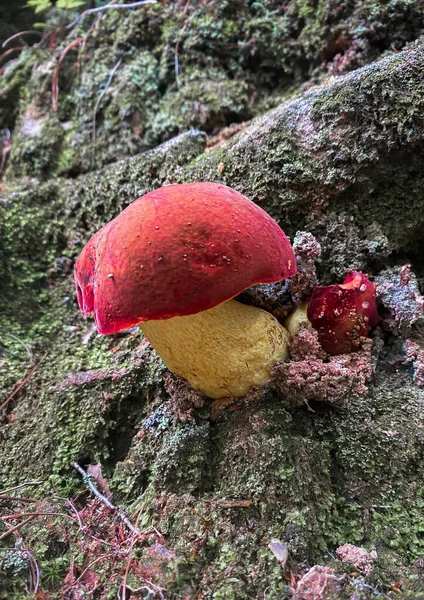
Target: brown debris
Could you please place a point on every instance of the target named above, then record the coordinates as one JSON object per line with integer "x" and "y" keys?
{"x": 399, "y": 295}
{"x": 281, "y": 298}
{"x": 83, "y": 377}
{"x": 352, "y": 51}
{"x": 220, "y": 404}
{"x": 230, "y": 404}
{"x": 415, "y": 356}
{"x": 95, "y": 471}
{"x": 224, "y": 134}
{"x": 316, "y": 584}
{"x": 307, "y": 250}
{"x": 154, "y": 562}
{"x": 235, "y": 503}
{"x": 310, "y": 377}
{"x": 306, "y": 344}
{"x": 361, "y": 558}
{"x": 272, "y": 297}
{"x": 279, "y": 550}
{"x": 183, "y": 398}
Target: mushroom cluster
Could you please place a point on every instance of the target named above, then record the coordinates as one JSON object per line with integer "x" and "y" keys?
{"x": 172, "y": 263}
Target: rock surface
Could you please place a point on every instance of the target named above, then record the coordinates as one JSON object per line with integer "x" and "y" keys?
{"x": 341, "y": 160}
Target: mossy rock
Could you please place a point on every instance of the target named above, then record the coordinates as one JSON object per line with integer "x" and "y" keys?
{"x": 148, "y": 74}
{"x": 338, "y": 161}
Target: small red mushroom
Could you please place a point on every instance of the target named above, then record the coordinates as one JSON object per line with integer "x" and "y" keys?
{"x": 172, "y": 261}
{"x": 343, "y": 313}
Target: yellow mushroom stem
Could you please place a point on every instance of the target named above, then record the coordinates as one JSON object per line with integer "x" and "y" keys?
{"x": 223, "y": 351}
{"x": 297, "y": 319}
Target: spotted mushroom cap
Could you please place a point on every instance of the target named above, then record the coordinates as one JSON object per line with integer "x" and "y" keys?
{"x": 343, "y": 313}
{"x": 178, "y": 250}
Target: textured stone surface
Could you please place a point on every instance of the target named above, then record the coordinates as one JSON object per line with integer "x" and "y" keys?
{"x": 343, "y": 161}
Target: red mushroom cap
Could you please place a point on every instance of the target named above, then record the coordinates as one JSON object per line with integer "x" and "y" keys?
{"x": 84, "y": 277}
{"x": 178, "y": 250}
{"x": 343, "y": 313}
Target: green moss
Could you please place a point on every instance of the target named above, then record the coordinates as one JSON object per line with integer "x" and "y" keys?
{"x": 233, "y": 58}
{"x": 12, "y": 87}
{"x": 31, "y": 237}
{"x": 189, "y": 446}
{"x": 292, "y": 484}
{"x": 207, "y": 100}
{"x": 391, "y": 493}
{"x": 36, "y": 149}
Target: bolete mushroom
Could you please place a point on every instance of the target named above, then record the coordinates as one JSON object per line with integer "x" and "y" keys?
{"x": 171, "y": 262}
{"x": 343, "y": 313}
{"x": 297, "y": 319}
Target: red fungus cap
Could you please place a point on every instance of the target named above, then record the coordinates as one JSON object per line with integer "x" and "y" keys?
{"x": 178, "y": 250}
{"x": 84, "y": 276}
{"x": 343, "y": 313}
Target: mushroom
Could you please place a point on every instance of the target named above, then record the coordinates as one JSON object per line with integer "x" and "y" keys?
{"x": 297, "y": 319}
{"x": 171, "y": 262}
{"x": 343, "y": 313}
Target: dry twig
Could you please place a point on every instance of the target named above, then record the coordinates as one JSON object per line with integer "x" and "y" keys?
{"x": 36, "y": 514}
{"x": 55, "y": 80}
{"x": 178, "y": 42}
{"x": 16, "y": 35}
{"x": 106, "y": 501}
{"x": 88, "y": 567}
{"x": 96, "y": 106}
{"x": 127, "y": 568}
{"x": 19, "y": 487}
{"x": 35, "y": 580}
{"x": 15, "y": 527}
{"x": 21, "y": 385}
{"x": 17, "y": 499}
{"x": 15, "y": 337}
{"x": 91, "y": 11}
{"x": 14, "y": 49}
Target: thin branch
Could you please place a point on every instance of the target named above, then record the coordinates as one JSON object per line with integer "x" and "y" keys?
{"x": 21, "y": 385}
{"x": 130, "y": 550}
{"x": 6, "y": 145}
{"x": 4, "y": 67}
{"x": 96, "y": 106}
{"x": 104, "y": 500}
{"x": 82, "y": 528}
{"x": 55, "y": 80}
{"x": 15, "y": 527}
{"x": 44, "y": 38}
{"x": 36, "y": 568}
{"x": 15, "y": 337}
{"x": 17, "y": 499}
{"x": 90, "y": 30}
{"x": 178, "y": 42}
{"x": 14, "y": 49}
{"x": 16, "y": 35}
{"x": 109, "y": 6}
{"x": 88, "y": 481}
{"x": 180, "y": 37}
{"x": 36, "y": 514}
{"x": 91, "y": 564}
{"x": 76, "y": 513}
{"x": 19, "y": 487}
